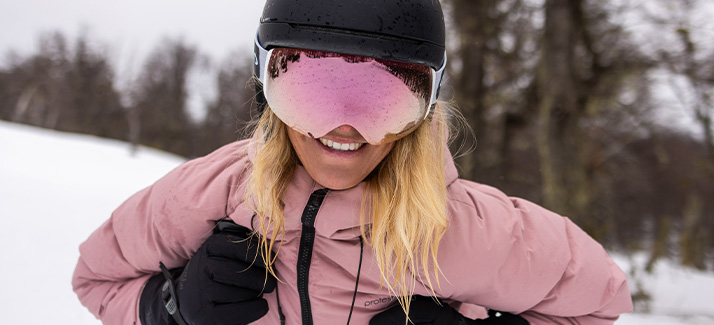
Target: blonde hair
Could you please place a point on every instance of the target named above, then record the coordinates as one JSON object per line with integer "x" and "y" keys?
{"x": 405, "y": 196}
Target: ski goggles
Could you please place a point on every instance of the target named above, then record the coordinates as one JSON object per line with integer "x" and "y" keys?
{"x": 315, "y": 92}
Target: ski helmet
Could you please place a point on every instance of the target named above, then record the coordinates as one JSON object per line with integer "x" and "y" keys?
{"x": 401, "y": 37}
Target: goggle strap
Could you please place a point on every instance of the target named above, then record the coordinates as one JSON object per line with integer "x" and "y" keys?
{"x": 261, "y": 60}
{"x": 435, "y": 86}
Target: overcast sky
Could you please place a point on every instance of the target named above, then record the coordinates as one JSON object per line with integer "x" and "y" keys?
{"x": 132, "y": 27}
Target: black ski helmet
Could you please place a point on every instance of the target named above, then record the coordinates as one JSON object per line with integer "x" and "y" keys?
{"x": 410, "y": 31}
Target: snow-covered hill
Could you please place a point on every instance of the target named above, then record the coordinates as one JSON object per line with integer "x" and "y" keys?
{"x": 56, "y": 188}
{"x": 679, "y": 295}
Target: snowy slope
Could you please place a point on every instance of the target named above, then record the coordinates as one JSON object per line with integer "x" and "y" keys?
{"x": 56, "y": 188}
{"x": 679, "y": 295}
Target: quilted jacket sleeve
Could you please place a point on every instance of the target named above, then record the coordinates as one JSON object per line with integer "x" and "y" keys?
{"x": 165, "y": 222}
{"x": 518, "y": 257}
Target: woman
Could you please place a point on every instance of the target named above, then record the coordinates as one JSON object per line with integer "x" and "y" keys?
{"x": 344, "y": 206}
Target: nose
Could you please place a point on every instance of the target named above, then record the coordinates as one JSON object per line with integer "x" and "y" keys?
{"x": 347, "y": 132}
{"x": 346, "y": 128}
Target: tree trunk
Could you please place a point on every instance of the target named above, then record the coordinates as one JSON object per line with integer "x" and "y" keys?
{"x": 480, "y": 28}
{"x": 560, "y": 140}
{"x": 472, "y": 26}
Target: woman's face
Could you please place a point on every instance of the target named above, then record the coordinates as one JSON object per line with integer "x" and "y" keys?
{"x": 338, "y": 169}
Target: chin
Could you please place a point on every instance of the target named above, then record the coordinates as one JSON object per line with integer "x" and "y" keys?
{"x": 337, "y": 183}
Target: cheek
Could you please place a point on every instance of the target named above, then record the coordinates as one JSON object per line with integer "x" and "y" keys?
{"x": 307, "y": 150}
{"x": 296, "y": 141}
{"x": 384, "y": 150}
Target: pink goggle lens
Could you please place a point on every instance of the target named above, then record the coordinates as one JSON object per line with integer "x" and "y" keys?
{"x": 315, "y": 92}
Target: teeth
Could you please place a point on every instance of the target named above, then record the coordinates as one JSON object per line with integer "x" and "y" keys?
{"x": 341, "y": 146}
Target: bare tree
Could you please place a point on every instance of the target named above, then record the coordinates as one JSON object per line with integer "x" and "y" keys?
{"x": 689, "y": 61}
{"x": 232, "y": 106}
{"x": 64, "y": 86}
{"x": 491, "y": 63}
{"x": 160, "y": 101}
{"x": 587, "y": 65}
{"x": 693, "y": 60}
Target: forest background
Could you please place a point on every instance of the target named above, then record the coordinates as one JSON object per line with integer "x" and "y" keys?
{"x": 599, "y": 110}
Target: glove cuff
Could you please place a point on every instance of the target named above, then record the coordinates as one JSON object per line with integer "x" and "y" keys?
{"x": 152, "y": 309}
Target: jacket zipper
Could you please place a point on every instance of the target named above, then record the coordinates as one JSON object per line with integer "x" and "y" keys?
{"x": 307, "y": 239}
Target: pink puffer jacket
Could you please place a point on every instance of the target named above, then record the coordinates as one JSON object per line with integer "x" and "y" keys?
{"x": 498, "y": 252}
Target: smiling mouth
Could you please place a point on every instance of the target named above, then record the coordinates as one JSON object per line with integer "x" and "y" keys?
{"x": 341, "y": 146}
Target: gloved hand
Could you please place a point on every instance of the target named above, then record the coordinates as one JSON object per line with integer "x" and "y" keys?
{"x": 223, "y": 283}
{"x": 426, "y": 311}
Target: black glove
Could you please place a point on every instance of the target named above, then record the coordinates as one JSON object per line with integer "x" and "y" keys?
{"x": 223, "y": 283}
{"x": 426, "y": 311}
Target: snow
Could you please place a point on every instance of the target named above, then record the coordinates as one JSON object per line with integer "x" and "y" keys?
{"x": 56, "y": 188}
{"x": 679, "y": 295}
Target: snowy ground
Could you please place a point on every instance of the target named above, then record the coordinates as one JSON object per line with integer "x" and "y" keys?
{"x": 56, "y": 188}
{"x": 679, "y": 295}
